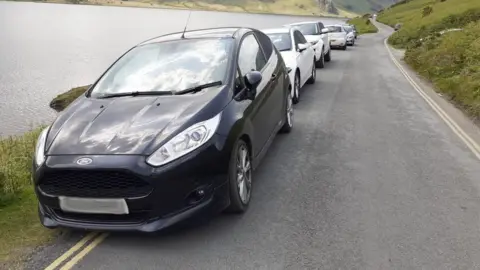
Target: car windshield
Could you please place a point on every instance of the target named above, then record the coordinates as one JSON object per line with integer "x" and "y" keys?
{"x": 282, "y": 41}
{"x": 307, "y": 29}
{"x": 335, "y": 29}
{"x": 167, "y": 66}
{"x": 348, "y": 28}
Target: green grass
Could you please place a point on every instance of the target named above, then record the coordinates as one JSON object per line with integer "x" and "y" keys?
{"x": 362, "y": 6}
{"x": 60, "y": 102}
{"x": 363, "y": 25}
{"x": 450, "y": 61}
{"x": 20, "y": 229}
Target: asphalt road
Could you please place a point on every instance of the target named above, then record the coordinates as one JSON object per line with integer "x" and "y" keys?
{"x": 370, "y": 178}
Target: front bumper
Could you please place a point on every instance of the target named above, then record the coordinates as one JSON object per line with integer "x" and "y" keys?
{"x": 335, "y": 43}
{"x": 168, "y": 194}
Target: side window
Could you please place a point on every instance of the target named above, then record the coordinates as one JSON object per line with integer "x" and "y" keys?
{"x": 320, "y": 27}
{"x": 297, "y": 36}
{"x": 250, "y": 56}
{"x": 301, "y": 38}
{"x": 266, "y": 44}
{"x": 238, "y": 82}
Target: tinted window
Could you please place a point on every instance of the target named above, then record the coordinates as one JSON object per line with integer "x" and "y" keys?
{"x": 299, "y": 37}
{"x": 250, "y": 56}
{"x": 266, "y": 44}
{"x": 335, "y": 29}
{"x": 167, "y": 66}
{"x": 307, "y": 29}
{"x": 320, "y": 26}
{"x": 282, "y": 41}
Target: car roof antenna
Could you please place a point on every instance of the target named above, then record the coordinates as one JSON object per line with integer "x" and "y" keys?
{"x": 186, "y": 24}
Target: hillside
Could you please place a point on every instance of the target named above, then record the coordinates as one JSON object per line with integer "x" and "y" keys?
{"x": 344, "y": 8}
{"x": 450, "y": 60}
{"x": 363, "y": 6}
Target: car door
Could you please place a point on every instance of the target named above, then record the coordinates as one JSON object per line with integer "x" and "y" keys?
{"x": 252, "y": 58}
{"x": 274, "y": 71}
{"x": 302, "y": 62}
{"x": 308, "y": 56}
{"x": 325, "y": 39}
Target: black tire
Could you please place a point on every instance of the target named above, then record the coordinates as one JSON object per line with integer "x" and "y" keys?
{"x": 313, "y": 76}
{"x": 321, "y": 62}
{"x": 237, "y": 205}
{"x": 296, "y": 91}
{"x": 328, "y": 57}
{"x": 344, "y": 47}
{"x": 288, "y": 124}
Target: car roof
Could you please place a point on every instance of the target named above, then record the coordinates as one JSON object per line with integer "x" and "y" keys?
{"x": 277, "y": 30}
{"x": 333, "y": 25}
{"x": 218, "y": 32}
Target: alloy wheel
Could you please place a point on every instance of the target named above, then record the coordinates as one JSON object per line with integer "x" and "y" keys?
{"x": 244, "y": 174}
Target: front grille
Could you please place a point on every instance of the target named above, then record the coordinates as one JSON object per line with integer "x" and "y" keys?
{"x": 93, "y": 184}
{"x": 132, "y": 218}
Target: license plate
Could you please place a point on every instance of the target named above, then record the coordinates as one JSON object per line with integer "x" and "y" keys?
{"x": 93, "y": 205}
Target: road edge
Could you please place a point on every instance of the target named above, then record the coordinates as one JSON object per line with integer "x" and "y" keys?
{"x": 456, "y": 120}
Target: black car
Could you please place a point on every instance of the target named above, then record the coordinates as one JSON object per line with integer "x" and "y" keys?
{"x": 172, "y": 129}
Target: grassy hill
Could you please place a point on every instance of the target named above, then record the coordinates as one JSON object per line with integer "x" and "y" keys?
{"x": 450, "y": 60}
{"x": 363, "y": 6}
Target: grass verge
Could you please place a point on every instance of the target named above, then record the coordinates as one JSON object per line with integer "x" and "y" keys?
{"x": 19, "y": 227}
{"x": 363, "y": 25}
{"x": 450, "y": 60}
{"x": 60, "y": 102}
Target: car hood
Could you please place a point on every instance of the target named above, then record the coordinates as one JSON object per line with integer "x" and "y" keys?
{"x": 337, "y": 35}
{"x": 290, "y": 59}
{"x": 125, "y": 125}
{"x": 311, "y": 38}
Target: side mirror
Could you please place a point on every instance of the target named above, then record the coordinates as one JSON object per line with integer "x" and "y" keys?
{"x": 252, "y": 80}
{"x": 302, "y": 47}
{"x": 325, "y": 31}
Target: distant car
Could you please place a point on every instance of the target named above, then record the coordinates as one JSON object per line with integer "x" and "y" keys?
{"x": 355, "y": 32}
{"x": 338, "y": 36}
{"x": 298, "y": 55}
{"x": 316, "y": 33}
{"x": 173, "y": 129}
{"x": 350, "y": 35}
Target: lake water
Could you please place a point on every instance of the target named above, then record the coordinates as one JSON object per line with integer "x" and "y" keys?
{"x": 46, "y": 49}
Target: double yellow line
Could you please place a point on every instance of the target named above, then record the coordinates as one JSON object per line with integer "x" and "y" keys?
{"x": 467, "y": 140}
{"x": 78, "y": 251}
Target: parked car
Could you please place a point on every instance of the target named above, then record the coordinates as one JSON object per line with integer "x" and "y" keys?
{"x": 338, "y": 36}
{"x": 298, "y": 55}
{"x": 354, "y": 28}
{"x": 350, "y": 35}
{"x": 174, "y": 128}
{"x": 316, "y": 33}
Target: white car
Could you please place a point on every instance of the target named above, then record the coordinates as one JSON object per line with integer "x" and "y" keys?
{"x": 316, "y": 33}
{"x": 350, "y": 35}
{"x": 338, "y": 36}
{"x": 298, "y": 55}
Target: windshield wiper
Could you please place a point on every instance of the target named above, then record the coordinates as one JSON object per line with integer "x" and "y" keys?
{"x": 197, "y": 88}
{"x": 138, "y": 93}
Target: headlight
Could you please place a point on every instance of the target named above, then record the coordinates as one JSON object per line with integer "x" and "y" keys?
{"x": 185, "y": 142}
{"x": 40, "y": 147}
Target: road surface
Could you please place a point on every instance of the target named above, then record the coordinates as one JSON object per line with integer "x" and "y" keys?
{"x": 370, "y": 178}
